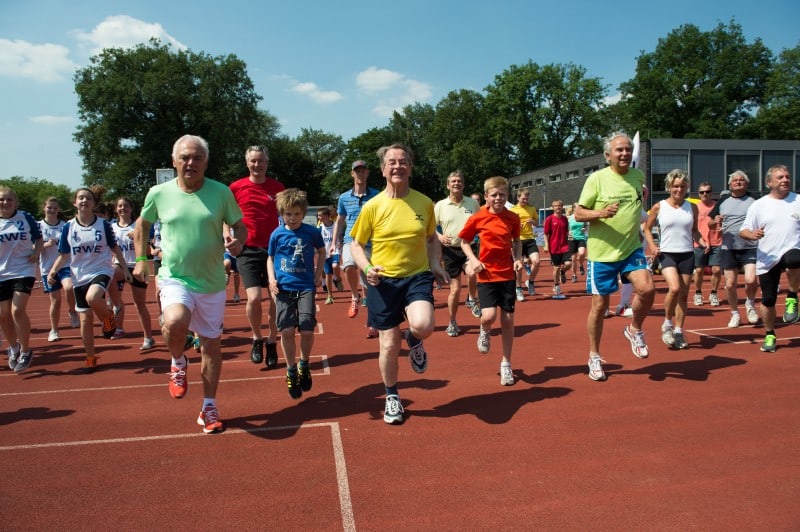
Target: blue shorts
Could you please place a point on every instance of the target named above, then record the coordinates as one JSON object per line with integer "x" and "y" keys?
{"x": 329, "y": 262}
{"x": 602, "y": 278}
{"x": 387, "y": 302}
{"x": 62, "y": 274}
{"x": 227, "y": 256}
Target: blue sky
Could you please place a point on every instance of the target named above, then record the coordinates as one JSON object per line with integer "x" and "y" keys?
{"x": 341, "y": 67}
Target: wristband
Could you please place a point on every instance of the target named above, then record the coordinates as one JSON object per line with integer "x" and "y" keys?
{"x": 366, "y": 270}
{"x": 141, "y": 259}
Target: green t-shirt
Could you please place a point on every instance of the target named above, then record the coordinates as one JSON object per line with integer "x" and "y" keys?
{"x": 613, "y": 239}
{"x": 192, "y": 243}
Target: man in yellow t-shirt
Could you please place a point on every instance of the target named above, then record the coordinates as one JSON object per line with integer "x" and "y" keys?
{"x": 400, "y": 272}
{"x": 529, "y": 220}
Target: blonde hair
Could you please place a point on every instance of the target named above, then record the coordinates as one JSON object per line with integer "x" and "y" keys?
{"x": 495, "y": 182}
{"x": 292, "y": 198}
{"x": 675, "y": 175}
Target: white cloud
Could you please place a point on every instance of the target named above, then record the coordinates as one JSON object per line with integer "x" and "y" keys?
{"x": 614, "y": 98}
{"x": 41, "y": 62}
{"x": 312, "y": 91}
{"x": 122, "y": 31}
{"x": 51, "y": 119}
{"x": 395, "y": 90}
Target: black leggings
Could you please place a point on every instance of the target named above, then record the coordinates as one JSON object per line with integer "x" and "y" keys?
{"x": 769, "y": 281}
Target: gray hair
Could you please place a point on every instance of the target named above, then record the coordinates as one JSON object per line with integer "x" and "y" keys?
{"x": 609, "y": 139}
{"x": 738, "y": 173}
{"x": 775, "y": 167}
{"x": 256, "y": 147}
{"x": 194, "y": 138}
{"x": 381, "y": 153}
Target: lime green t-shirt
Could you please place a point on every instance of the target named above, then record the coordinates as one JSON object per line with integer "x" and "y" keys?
{"x": 398, "y": 229}
{"x": 525, "y": 214}
{"x": 613, "y": 239}
{"x": 192, "y": 243}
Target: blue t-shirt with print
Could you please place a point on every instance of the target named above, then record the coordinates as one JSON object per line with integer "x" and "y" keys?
{"x": 292, "y": 254}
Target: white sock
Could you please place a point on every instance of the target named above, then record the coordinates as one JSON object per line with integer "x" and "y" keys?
{"x": 209, "y": 401}
{"x": 668, "y": 322}
{"x": 179, "y": 363}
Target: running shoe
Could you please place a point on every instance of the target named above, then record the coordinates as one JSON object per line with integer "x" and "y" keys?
{"x": 557, "y": 294}
{"x": 352, "y": 312}
{"x": 257, "y": 351}
{"x": 178, "y": 384}
{"x": 147, "y": 344}
{"x": 272, "y": 354}
{"x": 475, "y": 308}
{"x": 329, "y": 300}
{"x": 304, "y": 373}
{"x": 667, "y": 334}
{"x": 713, "y": 299}
{"x": 393, "y": 411}
{"x": 627, "y": 313}
{"x": 698, "y": 299}
{"x": 506, "y": 376}
{"x": 338, "y": 284}
{"x": 13, "y": 355}
{"x": 236, "y": 298}
{"x": 531, "y": 287}
{"x": 680, "y": 341}
{"x": 520, "y": 295}
{"x": 118, "y": 333}
{"x": 735, "y": 321}
{"x": 196, "y": 344}
{"x": 23, "y": 361}
{"x": 187, "y": 344}
{"x": 752, "y": 313}
{"x": 364, "y": 302}
{"x": 372, "y": 332}
{"x": 74, "y": 321}
{"x": 769, "y": 343}
{"x": 596, "y": 372}
{"x": 484, "y": 341}
{"x": 638, "y": 346}
{"x": 574, "y": 278}
{"x": 563, "y": 276}
{"x": 583, "y": 270}
{"x": 90, "y": 364}
{"x": 209, "y": 420}
{"x": 417, "y": 355}
{"x": 109, "y": 325}
{"x": 293, "y": 382}
{"x": 53, "y": 336}
{"x": 452, "y": 329}
{"x": 790, "y": 312}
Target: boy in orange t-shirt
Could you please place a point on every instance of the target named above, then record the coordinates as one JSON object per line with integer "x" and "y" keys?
{"x": 500, "y": 259}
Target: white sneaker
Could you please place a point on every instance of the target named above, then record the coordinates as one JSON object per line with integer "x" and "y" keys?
{"x": 53, "y": 336}
{"x": 483, "y": 341}
{"x": 667, "y": 334}
{"x": 74, "y": 321}
{"x": 596, "y": 372}
{"x": 393, "y": 411}
{"x": 752, "y": 314}
{"x": 506, "y": 376}
{"x": 520, "y": 295}
{"x": 147, "y": 344}
{"x": 236, "y": 298}
{"x": 627, "y": 313}
{"x": 698, "y": 300}
{"x": 557, "y": 294}
{"x": 638, "y": 345}
{"x": 713, "y": 299}
{"x": 736, "y": 320}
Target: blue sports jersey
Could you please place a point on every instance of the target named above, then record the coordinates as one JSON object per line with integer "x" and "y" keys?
{"x": 292, "y": 254}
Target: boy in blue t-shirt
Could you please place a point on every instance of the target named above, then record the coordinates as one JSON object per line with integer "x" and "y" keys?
{"x": 294, "y": 275}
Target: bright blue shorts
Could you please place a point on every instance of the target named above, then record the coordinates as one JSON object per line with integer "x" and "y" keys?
{"x": 602, "y": 278}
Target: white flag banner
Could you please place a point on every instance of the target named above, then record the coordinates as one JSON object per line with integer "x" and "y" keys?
{"x": 635, "y": 157}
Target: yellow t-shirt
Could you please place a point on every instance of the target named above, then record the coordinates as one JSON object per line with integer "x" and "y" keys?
{"x": 398, "y": 229}
{"x": 525, "y": 214}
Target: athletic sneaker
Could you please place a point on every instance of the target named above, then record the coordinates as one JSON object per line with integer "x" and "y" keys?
{"x": 352, "y": 312}
{"x": 638, "y": 346}
{"x": 474, "y": 307}
{"x": 557, "y": 294}
{"x": 178, "y": 384}
{"x": 752, "y": 314}
{"x": 627, "y": 313}
{"x": 713, "y": 299}
{"x": 236, "y": 298}
{"x": 769, "y": 343}
{"x": 53, "y": 336}
{"x": 520, "y": 295}
{"x": 147, "y": 344}
{"x": 736, "y": 320}
{"x": 698, "y": 299}
{"x": 272, "y": 354}
{"x": 13, "y": 355}
{"x": 574, "y": 278}
{"x": 196, "y": 344}
{"x": 109, "y": 326}
{"x": 583, "y": 270}
{"x": 74, "y": 321}
{"x": 531, "y": 287}
{"x": 417, "y": 355}
{"x": 293, "y": 382}
{"x": 452, "y": 329}
{"x": 563, "y": 277}
{"x": 338, "y": 284}
{"x": 187, "y": 344}
{"x": 23, "y": 361}
{"x": 680, "y": 341}
{"x": 118, "y": 333}
{"x": 364, "y": 302}
{"x": 790, "y": 312}
{"x": 393, "y": 411}
{"x": 667, "y": 334}
{"x": 209, "y": 420}
{"x": 483, "y": 341}
{"x": 257, "y": 351}
{"x": 329, "y": 300}
{"x": 304, "y": 372}
{"x": 372, "y": 332}
{"x": 90, "y": 364}
{"x": 596, "y": 372}
{"x": 506, "y": 376}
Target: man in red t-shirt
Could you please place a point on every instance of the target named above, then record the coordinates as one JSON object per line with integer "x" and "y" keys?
{"x": 255, "y": 195}
{"x": 556, "y": 242}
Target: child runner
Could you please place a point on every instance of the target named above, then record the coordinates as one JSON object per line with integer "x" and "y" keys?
{"x": 20, "y": 247}
{"x": 293, "y": 279}
{"x": 556, "y": 231}
{"x": 332, "y": 257}
{"x": 50, "y": 228}
{"x": 500, "y": 260}
{"x": 88, "y": 242}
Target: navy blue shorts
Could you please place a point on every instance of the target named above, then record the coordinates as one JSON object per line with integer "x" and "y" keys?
{"x": 387, "y": 302}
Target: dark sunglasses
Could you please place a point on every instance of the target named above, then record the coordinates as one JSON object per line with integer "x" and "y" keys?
{"x": 704, "y": 192}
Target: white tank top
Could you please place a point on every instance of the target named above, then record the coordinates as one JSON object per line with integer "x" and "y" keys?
{"x": 676, "y": 227}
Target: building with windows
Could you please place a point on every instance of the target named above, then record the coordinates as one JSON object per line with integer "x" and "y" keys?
{"x": 710, "y": 160}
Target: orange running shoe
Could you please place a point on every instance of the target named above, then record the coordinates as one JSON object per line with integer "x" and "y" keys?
{"x": 90, "y": 365}
{"x": 352, "y": 312}
{"x": 109, "y": 325}
{"x": 209, "y": 420}
{"x": 177, "y": 380}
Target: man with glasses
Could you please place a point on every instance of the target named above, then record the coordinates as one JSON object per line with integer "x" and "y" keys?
{"x": 256, "y": 195}
{"x": 707, "y": 256}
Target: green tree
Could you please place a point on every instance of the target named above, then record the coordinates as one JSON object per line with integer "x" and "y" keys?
{"x": 543, "y": 115}
{"x": 361, "y": 147}
{"x": 31, "y": 194}
{"x": 779, "y": 117}
{"x": 325, "y": 151}
{"x": 413, "y": 127}
{"x": 697, "y": 84}
{"x": 134, "y": 104}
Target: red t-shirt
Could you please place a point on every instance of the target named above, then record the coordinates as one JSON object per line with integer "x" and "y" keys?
{"x": 259, "y": 211}
{"x": 496, "y": 232}
{"x": 556, "y": 230}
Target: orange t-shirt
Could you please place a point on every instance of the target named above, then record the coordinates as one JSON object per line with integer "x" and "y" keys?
{"x": 496, "y": 233}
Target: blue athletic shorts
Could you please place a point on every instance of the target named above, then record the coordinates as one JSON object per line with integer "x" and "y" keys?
{"x": 602, "y": 278}
{"x": 387, "y": 302}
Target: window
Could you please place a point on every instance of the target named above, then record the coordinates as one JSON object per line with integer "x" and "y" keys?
{"x": 663, "y": 162}
{"x": 539, "y": 181}
{"x": 708, "y": 166}
{"x": 555, "y": 178}
{"x": 590, "y": 170}
{"x": 747, "y": 162}
{"x": 573, "y": 174}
